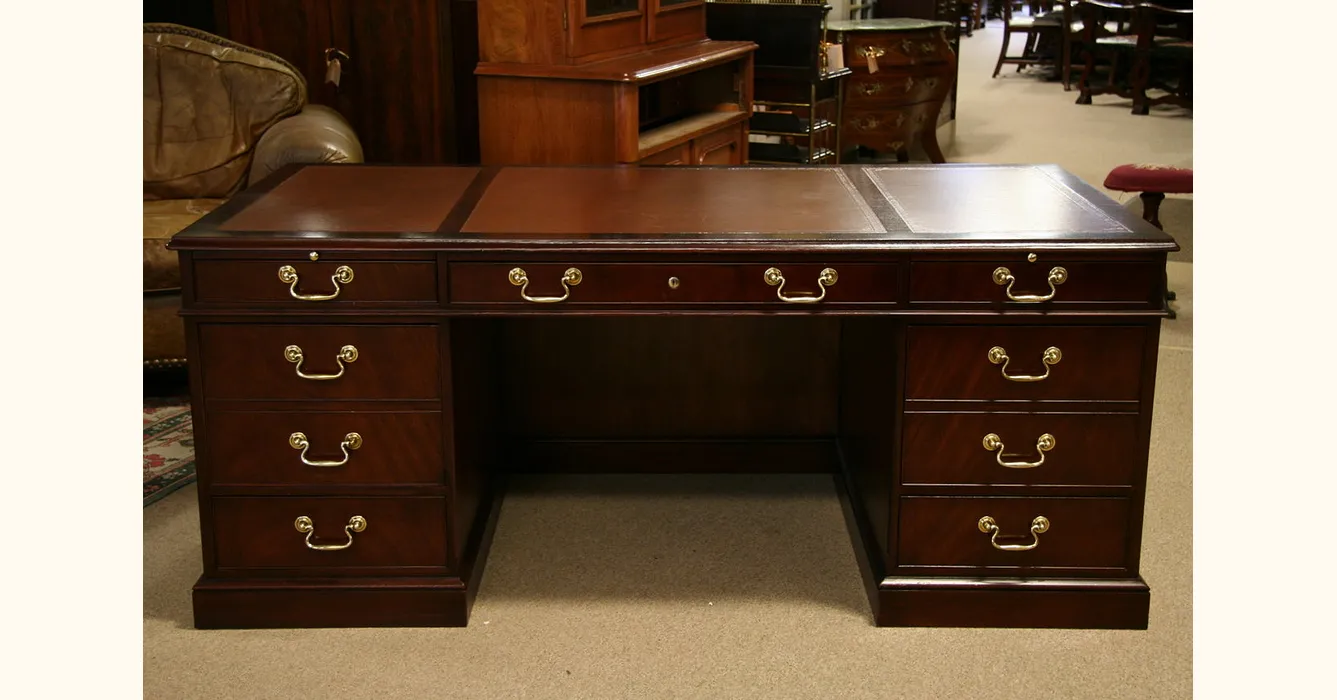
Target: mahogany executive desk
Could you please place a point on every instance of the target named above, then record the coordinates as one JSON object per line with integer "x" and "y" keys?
{"x": 970, "y": 350}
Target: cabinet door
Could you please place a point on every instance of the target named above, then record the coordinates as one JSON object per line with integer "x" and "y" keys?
{"x": 723, "y": 147}
{"x": 678, "y": 155}
{"x": 675, "y": 20}
{"x": 299, "y": 31}
{"x": 605, "y": 27}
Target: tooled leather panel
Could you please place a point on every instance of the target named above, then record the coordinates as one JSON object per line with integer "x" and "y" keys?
{"x": 207, "y": 101}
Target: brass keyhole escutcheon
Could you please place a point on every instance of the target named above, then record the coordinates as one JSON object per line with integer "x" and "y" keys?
{"x": 674, "y": 283}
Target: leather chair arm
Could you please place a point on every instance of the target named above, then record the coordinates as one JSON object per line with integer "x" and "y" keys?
{"x": 318, "y": 134}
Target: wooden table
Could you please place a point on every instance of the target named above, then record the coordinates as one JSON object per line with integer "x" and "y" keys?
{"x": 970, "y": 352}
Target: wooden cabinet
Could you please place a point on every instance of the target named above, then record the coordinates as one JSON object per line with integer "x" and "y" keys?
{"x": 608, "y": 81}
{"x": 405, "y": 67}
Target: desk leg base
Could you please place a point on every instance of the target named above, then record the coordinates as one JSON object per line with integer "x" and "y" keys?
{"x": 223, "y": 604}
{"x": 1073, "y": 603}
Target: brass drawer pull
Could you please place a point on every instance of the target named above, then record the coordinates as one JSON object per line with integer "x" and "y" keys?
{"x": 571, "y": 277}
{"x": 869, "y": 89}
{"x": 998, "y": 356}
{"x": 357, "y": 523}
{"x": 1045, "y": 443}
{"x": 347, "y": 353}
{"x": 827, "y": 278}
{"x": 988, "y": 526}
{"x": 298, "y": 441}
{"x": 1003, "y": 277}
{"x": 872, "y": 52}
{"x": 342, "y": 275}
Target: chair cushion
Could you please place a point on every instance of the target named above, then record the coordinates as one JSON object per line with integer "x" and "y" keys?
{"x": 207, "y": 101}
{"x": 1150, "y": 178}
{"x": 162, "y": 219}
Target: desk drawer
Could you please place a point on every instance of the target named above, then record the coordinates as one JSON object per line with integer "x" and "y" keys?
{"x": 670, "y": 284}
{"x": 344, "y": 447}
{"x": 1097, "y": 449}
{"x": 1083, "y": 533}
{"x": 366, "y": 361}
{"x": 865, "y": 90}
{"x": 260, "y": 532}
{"x": 1105, "y": 284}
{"x": 1089, "y": 363}
{"x": 320, "y": 284}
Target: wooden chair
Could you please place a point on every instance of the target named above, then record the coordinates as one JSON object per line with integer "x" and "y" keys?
{"x": 969, "y": 16}
{"x": 1036, "y": 28}
{"x": 1107, "y": 48}
{"x": 1163, "y": 57}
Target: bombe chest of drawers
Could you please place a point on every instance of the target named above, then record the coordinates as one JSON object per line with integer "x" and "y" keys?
{"x": 970, "y": 352}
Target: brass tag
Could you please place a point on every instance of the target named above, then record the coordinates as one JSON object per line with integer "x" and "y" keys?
{"x": 872, "y": 62}
{"x": 333, "y": 71}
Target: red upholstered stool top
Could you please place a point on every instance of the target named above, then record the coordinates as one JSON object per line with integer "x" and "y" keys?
{"x": 1150, "y": 178}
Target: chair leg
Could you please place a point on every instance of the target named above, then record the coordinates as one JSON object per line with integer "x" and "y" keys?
{"x": 1151, "y": 208}
{"x": 1067, "y": 65}
{"x": 1002, "y": 53}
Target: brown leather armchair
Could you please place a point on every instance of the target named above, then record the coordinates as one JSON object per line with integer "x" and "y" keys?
{"x": 217, "y": 116}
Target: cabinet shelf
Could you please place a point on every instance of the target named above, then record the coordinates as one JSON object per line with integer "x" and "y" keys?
{"x": 783, "y": 124}
{"x": 785, "y": 154}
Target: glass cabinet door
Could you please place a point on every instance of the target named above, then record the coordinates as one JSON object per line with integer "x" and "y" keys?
{"x": 603, "y": 8}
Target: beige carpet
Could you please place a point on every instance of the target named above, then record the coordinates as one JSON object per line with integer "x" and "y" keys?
{"x": 723, "y": 587}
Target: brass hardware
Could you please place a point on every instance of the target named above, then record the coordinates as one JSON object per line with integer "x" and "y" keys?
{"x": 674, "y": 282}
{"x": 870, "y": 88}
{"x": 1032, "y": 257}
{"x": 571, "y": 277}
{"x": 332, "y": 53}
{"x": 357, "y": 523}
{"x": 1003, "y": 276}
{"x": 827, "y": 278}
{"x": 342, "y": 274}
{"x": 998, "y": 356}
{"x": 872, "y": 52}
{"x": 988, "y": 526}
{"x": 927, "y": 47}
{"x": 907, "y": 46}
{"x": 1045, "y": 443}
{"x": 298, "y": 441}
{"x": 909, "y": 83}
{"x": 313, "y": 255}
{"x": 347, "y": 353}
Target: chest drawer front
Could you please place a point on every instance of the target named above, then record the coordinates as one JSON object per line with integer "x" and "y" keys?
{"x": 1086, "y": 363}
{"x": 325, "y": 447}
{"x": 1081, "y": 533}
{"x": 870, "y": 90}
{"x": 1081, "y": 449}
{"x": 364, "y": 361}
{"x": 322, "y": 284}
{"x": 670, "y": 284}
{"x": 894, "y": 49}
{"x": 261, "y": 532}
{"x": 1106, "y": 284}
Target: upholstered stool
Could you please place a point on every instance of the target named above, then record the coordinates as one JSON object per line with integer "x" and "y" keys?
{"x": 1153, "y": 182}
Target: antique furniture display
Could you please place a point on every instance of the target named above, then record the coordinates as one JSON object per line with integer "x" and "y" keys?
{"x": 373, "y": 348}
{"x": 217, "y": 115}
{"x": 937, "y": 10}
{"x": 1038, "y": 31}
{"x": 400, "y": 71}
{"x": 609, "y": 81}
{"x": 796, "y": 94}
{"x": 903, "y": 71}
{"x": 1158, "y": 54}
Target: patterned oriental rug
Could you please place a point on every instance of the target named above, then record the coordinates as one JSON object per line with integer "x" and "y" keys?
{"x": 169, "y": 447}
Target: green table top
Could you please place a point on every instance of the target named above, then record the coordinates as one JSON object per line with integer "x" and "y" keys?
{"x": 886, "y": 24}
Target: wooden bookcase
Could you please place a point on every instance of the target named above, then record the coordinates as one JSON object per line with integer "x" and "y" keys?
{"x": 609, "y": 81}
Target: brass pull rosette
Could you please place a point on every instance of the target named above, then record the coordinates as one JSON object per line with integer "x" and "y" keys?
{"x": 988, "y": 526}
{"x": 357, "y": 523}
{"x": 872, "y": 52}
{"x": 998, "y": 356}
{"x": 570, "y": 278}
{"x": 869, "y": 89}
{"x": 774, "y": 278}
{"x": 1045, "y": 443}
{"x": 1003, "y": 277}
{"x": 347, "y": 353}
{"x": 298, "y": 441}
{"x": 342, "y": 275}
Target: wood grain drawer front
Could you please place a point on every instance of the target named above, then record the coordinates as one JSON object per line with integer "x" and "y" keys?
{"x": 1106, "y": 284}
{"x": 894, "y": 49}
{"x": 864, "y": 90}
{"x": 669, "y": 284}
{"x": 1082, "y": 533}
{"x": 723, "y": 147}
{"x": 1088, "y": 363}
{"x": 1096, "y": 449}
{"x": 864, "y": 124}
{"x": 341, "y": 447}
{"x": 386, "y": 361}
{"x": 260, "y": 532}
{"x": 677, "y": 155}
{"x": 321, "y": 284}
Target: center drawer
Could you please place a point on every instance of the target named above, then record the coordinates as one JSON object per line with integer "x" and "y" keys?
{"x": 325, "y": 447}
{"x": 577, "y": 283}
{"x": 261, "y": 532}
{"x": 244, "y": 361}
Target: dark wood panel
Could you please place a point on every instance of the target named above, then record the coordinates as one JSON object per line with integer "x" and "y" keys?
{"x": 746, "y": 456}
{"x": 299, "y": 31}
{"x": 244, "y": 282}
{"x": 254, "y": 447}
{"x": 1117, "y": 605}
{"x": 385, "y": 603}
{"x": 1088, "y": 449}
{"x": 259, "y": 533}
{"x": 870, "y": 413}
{"x": 944, "y": 532}
{"x": 250, "y": 361}
{"x": 1095, "y": 362}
